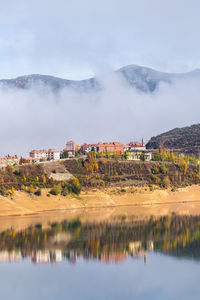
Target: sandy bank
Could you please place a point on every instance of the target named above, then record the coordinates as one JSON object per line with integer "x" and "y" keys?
{"x": 138, "y": 201}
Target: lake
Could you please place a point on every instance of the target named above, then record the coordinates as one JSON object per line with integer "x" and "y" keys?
{"x": 124, "y": 258}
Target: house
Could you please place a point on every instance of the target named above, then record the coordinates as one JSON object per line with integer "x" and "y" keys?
{"x": 41, "y": 154}
{"x": 85, "y": 148}
{"x": 8, "y": 160}
{"x": 110, "y": 147}
{"x": 102, "y": 147}
{"x": 51, "y": 154}
{"x": 137, "y": 145}
{"x": 139, "y": 155}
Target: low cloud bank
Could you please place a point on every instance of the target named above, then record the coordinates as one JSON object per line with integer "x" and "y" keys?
{"x": 38, "y": 118}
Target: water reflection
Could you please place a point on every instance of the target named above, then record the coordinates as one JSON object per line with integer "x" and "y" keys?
{"x": 108, "y": 243}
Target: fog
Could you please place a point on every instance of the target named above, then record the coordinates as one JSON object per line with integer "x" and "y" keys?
{"x": 39, "y": 118}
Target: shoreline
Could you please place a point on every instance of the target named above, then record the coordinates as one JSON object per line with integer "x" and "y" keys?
{"x": 24, "y": 204}
{"x": 99, "y": 206}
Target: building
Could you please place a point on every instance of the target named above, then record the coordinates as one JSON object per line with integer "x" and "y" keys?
{"x": 85, "y": 148}
{"x": 8, "y": 160}
{"x": 139, "y": 155}
{"x": 102, "y": 147}
{"x": 51, "y": 154}
{"x": 41, "y": 154}
{"x": 70, "y": 147}
{"x": 137, "y": 145}
{"x": 110, "y": 147}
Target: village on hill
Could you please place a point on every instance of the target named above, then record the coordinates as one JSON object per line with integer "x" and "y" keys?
{"x": 132, "y": 151}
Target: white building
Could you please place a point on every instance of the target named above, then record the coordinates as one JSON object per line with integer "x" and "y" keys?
{"x": 51, "y": 154}
{"x": 139, "y": 155}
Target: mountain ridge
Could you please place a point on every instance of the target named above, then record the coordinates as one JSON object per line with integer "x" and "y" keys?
{"x": 142, "y": 78}
{"x": 184, "y": 139}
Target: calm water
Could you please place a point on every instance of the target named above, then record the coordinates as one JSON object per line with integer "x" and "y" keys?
{"x": 155, "y": 259}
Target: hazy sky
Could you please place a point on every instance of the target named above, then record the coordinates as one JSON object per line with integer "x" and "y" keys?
{"x": 79, "y": 38}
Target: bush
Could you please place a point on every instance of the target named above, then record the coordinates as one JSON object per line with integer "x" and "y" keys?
{"x": 38, "y": 192}
{"x": 107, "y": 178}
{"x": 73, "y": 186}
{"x": 54, "y": 191}
{"x": 163, "y": 169}
{"x": 155, "y": 179}
{"x": 155, "y": 169}
{"x": 3, "y": 191}
{"x": 166, "y": 182}
{"x": 65, "y": 192}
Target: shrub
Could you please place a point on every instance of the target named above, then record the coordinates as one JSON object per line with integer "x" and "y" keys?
{"x": 166, "y": 182}
{"x": 65, "y": 192}
{"x": 163, "y": 169}
{"x": 54, "y": 191}
{"x": 155, "y": 169}
{"x": 73, "y": 186}
{"x": 3, "y": 191}
{"x": 38, "y": 192}
{"x": 155, "y": 179}
{"x": 107, "y": 178}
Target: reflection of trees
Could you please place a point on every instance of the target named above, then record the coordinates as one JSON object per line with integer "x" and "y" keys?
{"x": 175, "y": 235}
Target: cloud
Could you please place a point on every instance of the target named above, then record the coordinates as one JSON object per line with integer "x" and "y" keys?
{"x": 38, "y": 118}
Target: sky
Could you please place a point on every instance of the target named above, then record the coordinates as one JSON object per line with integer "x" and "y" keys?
{"x": 77, "y": 39}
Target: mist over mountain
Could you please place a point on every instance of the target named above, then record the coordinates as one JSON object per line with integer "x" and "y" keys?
{"x": 142, "y": 78}
{"x": 39, "y": 111}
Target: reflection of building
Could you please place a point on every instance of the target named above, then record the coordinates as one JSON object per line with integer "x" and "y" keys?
{"x": 56, "y": 256}
{"x": 73, "y": 256}
{"x": 41, "y": 257}
{"x": 61, "y": 237}
{"x": 138, "y": 249}
{"x": 13, "y": 256}
{"x": 46, "y": 256}
{"x": 113, "y": 257}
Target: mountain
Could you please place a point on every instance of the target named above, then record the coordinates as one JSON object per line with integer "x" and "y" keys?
{"x": 54, "y": 83}
{"x": 142, "y": 78}
{"x": 185, "y": 139}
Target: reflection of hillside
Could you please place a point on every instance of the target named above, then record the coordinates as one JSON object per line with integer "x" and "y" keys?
{"x": 175, "y": 235}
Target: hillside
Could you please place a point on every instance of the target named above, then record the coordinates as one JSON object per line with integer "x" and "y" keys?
{"x": 186, "y": 139}
{"x": 70, "y": 176}
{"x": 142, "y": 78}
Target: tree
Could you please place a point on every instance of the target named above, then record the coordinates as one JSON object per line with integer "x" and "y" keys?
{"x": 9, "y": 169}
{"x": 183, "y": 164}
{"x": 142, "y": 156}
{"x": 65, "y": 154}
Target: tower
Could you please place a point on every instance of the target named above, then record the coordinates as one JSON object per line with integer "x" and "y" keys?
{"x": 143, "y": 142}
